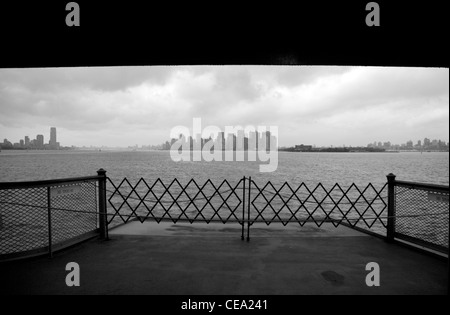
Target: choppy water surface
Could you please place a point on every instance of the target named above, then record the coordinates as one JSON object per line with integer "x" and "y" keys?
{"x": 311, "y": 168}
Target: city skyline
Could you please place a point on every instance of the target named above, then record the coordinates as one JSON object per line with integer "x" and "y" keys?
{"x": 38, "y": 143}
{"x": 320, "y": 105}
{"x": 239, "y": 141}
{"x": 430, "y": 144}
{"x": 248, "y": 140}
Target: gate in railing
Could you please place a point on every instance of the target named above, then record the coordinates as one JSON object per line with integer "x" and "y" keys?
{"x": 245, "y": 202}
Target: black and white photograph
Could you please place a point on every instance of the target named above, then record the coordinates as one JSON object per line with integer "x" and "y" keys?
{"x": 220, "y": 182}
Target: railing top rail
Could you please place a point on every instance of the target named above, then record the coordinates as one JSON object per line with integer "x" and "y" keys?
{"x": 46, "y": 183}
{"x": 426, "y": 186}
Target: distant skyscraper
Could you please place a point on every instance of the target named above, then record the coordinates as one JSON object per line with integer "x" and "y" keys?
{"x": 240, "y": 140}
{"x": 261, "y": 141}
{"x": 267, "y": 141}
{"x": 221, "y": 141}
{"x": 252, "y": 141}
{"x": 52, "y": 137}
{"x": 27, "y": 141}
{"x": 40, "y": 141}
{"x": 198, "y": 142}
{"x": 229, "y": 142}
{"x": 191, "y": 143}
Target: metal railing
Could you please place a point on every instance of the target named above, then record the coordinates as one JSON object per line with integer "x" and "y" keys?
{"x": 44, "y": 216}
{"x": 385, "y": 211}
{"x": 245, "y": 202}
{"x": 175, "y": 202}
{"x": 419, "y": 214}
{"x": 337, "y": 205}
{"x": 40, "y": 217}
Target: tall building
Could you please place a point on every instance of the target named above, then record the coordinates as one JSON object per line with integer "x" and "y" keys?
{"x": 52, "y": 137}
{"x": 183, "y": 140}
{"x": 262, "y": 141}
{"x": 7, "y": 144}
{"x": 198, "y": 142}
{"x": 40, "y": 141}
{"x": 267, "y": 141}
{"x": 253, "y": 140}
{"x": 229, "y": 142}
{"x": 190, "y": 141}
{"x": 221, "y": 140}
{"x": 240, "y": 140}
{"x": 27, "y": 141}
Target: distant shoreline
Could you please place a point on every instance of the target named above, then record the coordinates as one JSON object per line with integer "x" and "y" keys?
{"x": 279, "y": 150}
{"x": 339, "y": 151}
{"x": 358, "y": 151}
{"x": 400, "y": 151}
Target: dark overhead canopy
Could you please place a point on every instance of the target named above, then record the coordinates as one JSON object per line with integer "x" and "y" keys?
{"x": 130, "y": 33}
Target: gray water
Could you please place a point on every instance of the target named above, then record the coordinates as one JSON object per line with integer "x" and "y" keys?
{"x": 295, "y": 168}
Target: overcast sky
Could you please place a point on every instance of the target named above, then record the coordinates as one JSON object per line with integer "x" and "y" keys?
{"x": 121, "y": 106}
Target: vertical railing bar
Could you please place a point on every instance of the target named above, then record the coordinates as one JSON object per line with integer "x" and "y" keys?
{"x": 106, "y": 210}
{"x": 49, "y": 216}
{"x": 243, "y": 209}
{"x": 391, "y": 208}
{"x": 103, "y": 226}
{"x": 96, "y": 203}
{"x": 248, "y": 208}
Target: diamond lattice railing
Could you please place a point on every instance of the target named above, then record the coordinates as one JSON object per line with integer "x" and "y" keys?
{"x": 208, "y": 202}
{"x": 353, "y": 206}
{"x": 175, "y": 201}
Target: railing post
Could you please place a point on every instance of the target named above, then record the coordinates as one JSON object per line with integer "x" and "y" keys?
{"x": 49, "y": 217}
{"x": 248, "y": 208}
{"x": 103, "y": 225}
{"x": 243, "y": 209}
{"x": 391, "y": 208}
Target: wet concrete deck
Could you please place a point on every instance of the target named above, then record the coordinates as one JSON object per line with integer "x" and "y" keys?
{"x": 202, "y": 259}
